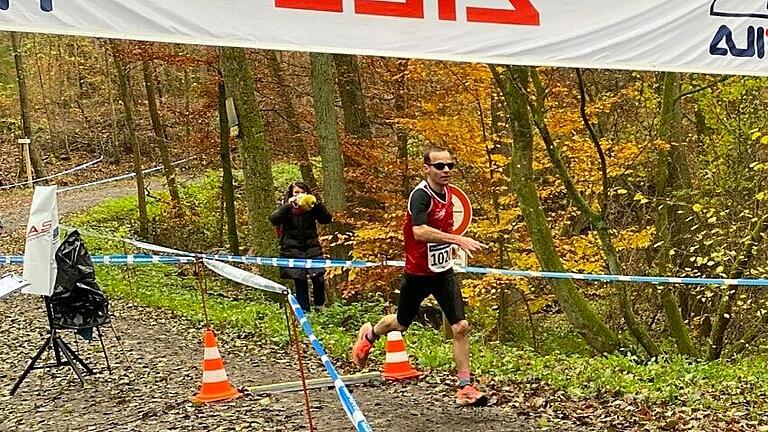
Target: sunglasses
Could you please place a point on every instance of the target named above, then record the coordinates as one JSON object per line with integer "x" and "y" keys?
{"x": 442, "y": 165}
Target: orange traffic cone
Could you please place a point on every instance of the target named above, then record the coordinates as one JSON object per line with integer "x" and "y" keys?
{"x": 216, "y": 386}
{"x": 396, "y": 365}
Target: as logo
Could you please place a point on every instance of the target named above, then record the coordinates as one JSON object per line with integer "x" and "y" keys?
{"x": 44, "y": 227}
{"x": 752, "y": 44}
{"x": 45, "y": 5}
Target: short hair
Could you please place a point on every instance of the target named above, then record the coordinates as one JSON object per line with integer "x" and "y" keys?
{"x": 429, "y": 150}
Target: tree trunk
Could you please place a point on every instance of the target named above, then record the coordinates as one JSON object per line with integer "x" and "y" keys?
{"x": 725, "y": 308}
{"x": 52, "y": 128}
{"x": 671, "y": 175}
{"x": 114, "y": 152}
{"x": 578, "y": 311}
{"x": 61, "y": 87}
{"x": 160, "y": 135}
{"x": 595, "y": 218}
{"x": 352, "y": 98}
{"x": 127, "y": 99}
{"x": 499, "y": 129}
{"x": 299, "y": 143}
{"x": 187, "y": 90}
{"x": 334, "y": 186}
{"x": 400, "y": 106}
{"x": 227, "y": 183}
{"x": 26, "y": 109}
{"x": 259, "y": 186}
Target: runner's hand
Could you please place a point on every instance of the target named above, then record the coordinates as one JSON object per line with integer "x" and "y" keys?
{"x": 469, "y": 245}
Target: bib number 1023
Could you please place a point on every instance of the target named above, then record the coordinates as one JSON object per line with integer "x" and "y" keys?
{"x": 439, "y": 257}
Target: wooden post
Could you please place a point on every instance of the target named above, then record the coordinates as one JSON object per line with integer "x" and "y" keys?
{"x": 25, "y": 150}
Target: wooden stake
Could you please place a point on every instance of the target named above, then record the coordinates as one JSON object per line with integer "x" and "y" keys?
{"x": 289, "y": 387}
{"x": 25, "y": 149}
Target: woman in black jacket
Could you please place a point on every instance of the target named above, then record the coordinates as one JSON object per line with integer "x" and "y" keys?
{"x": 296, "y": 221}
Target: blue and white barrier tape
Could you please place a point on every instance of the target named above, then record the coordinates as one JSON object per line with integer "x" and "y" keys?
{"x": 121, "y": 177}
{"x": 241, "y": 276}
{"x": 324, "y": 263}
{"x": 114, "y": 259}
{"x": 170, "y": 259}
{"x": 348, "y": 402}
{"x": 69, "y": 171}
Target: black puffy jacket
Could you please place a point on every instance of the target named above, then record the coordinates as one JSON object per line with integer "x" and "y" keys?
{"x": 298, "y": 235}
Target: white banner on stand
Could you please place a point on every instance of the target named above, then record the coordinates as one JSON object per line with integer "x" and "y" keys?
{"x": 42, "y": 242}
{"x": 714, "y": 36}
{"x": 10, "y": 283}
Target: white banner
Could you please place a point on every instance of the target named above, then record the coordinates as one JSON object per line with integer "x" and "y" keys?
{"x": 11, "y": 283}
{"x": 42, "y": 241}
{"x": 717, "y": 36}
{"x": 244, "y": 277}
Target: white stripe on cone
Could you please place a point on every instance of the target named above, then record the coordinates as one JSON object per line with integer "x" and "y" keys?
{"x": 211, "y": 354}
{"x": 394, "y": 336}
{"x": 215, "y": 376}
{"x": 397, "y": 357}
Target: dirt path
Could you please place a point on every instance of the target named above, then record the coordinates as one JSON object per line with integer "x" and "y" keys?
{"x": 159, "y": 371}
{"x": 15, "y": 213}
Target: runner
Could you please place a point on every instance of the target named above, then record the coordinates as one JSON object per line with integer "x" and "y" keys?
{"x": 429, "y": 270}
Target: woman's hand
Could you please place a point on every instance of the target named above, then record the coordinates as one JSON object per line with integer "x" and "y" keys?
{"x": 294, "y": 200}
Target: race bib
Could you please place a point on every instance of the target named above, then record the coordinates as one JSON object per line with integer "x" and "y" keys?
{"x": 439, "y": 257}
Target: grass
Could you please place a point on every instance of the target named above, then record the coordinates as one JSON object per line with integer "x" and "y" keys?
{"x": 562, "y": 364}
{"x": 715, "y": 386}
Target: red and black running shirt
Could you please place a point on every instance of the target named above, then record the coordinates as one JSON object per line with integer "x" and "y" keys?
{"x": 426, "y": 206}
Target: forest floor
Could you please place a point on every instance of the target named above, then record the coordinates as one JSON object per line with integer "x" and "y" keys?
{"x": 156, "y": 369}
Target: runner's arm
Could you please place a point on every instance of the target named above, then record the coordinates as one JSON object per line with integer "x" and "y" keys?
{"x": 428, "y": 234}
{"x": 418, "y": 206}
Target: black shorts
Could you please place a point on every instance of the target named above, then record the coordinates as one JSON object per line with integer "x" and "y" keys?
{"x": 443, "y": 286}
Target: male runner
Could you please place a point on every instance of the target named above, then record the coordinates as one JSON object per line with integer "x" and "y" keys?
{"x": 429, "y": 240}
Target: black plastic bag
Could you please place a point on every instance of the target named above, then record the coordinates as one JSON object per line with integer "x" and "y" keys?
{"x": 77, "y": 302}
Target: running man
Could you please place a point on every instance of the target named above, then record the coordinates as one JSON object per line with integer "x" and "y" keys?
{"x": 429, "y": 240}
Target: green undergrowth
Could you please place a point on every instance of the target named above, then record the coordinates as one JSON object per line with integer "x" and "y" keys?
{"x": 560, "y": 362}
{"x": 716, "y": 385}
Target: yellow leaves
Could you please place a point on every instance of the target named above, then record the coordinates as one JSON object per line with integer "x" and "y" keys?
{"x": 634, "y": 238}
{"x": 373, "y": 232}
{"x": 640, "y": 198}
{"x": 499, "y": 159}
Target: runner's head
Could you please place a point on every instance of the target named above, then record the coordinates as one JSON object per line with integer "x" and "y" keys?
{"x": 438, "y": 165}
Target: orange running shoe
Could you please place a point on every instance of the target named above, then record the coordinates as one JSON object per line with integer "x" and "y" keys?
{"x": 362, "y": 347}
{"x": 469, "y": 395}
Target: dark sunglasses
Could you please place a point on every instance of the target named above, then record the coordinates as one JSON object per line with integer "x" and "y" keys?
{"x": 441, "y": 165}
